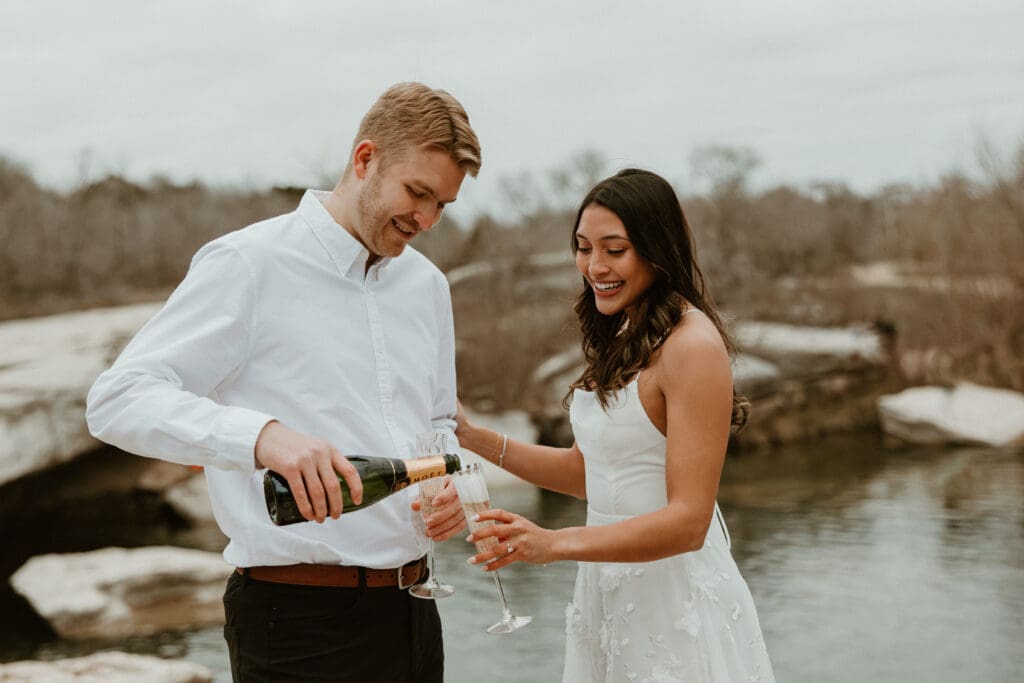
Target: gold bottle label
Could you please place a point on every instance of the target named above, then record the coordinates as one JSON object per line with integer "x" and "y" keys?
{"x": 419, "y": 469}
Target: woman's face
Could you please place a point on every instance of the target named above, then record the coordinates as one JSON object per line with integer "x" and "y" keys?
{"x": 606, "y": 257}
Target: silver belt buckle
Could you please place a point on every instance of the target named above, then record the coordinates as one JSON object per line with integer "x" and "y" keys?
{"x": 401, "y": 583}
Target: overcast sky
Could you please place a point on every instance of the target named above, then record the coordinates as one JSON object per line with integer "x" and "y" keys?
{"x": 260, "y": 93}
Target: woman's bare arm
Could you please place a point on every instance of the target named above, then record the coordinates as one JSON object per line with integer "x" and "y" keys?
{"x": 556, "y": 469}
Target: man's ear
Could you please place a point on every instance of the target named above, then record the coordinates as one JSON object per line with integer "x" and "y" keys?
{"x": 364, "y": 153}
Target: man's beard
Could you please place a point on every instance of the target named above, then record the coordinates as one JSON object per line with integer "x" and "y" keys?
{"x": 373, "y": 219}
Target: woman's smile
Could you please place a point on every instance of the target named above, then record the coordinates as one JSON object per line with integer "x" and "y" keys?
{"x": 607, "y": 288}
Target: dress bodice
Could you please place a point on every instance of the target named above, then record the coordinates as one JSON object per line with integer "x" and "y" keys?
{"x": 624, "y": 453}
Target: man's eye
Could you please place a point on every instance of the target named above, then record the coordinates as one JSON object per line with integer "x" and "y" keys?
{"x": 414, "y": 193}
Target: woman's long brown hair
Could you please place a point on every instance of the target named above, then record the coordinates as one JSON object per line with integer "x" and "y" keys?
{"x": 616, "y": 348}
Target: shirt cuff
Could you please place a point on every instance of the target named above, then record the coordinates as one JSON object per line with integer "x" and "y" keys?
{"x": 239, "y": 431}
{"x": 448, "y": 427}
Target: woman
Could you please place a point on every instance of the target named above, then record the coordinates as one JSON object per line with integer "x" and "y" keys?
{"x": 658, "y": 596}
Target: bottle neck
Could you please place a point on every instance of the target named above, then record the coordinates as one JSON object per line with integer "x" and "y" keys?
{"x": 418, "y": 469}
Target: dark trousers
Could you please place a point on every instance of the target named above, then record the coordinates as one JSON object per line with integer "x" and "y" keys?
{"x": 282, "y": 632}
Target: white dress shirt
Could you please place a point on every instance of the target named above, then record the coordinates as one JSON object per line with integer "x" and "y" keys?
{"x": 281, "y": 320}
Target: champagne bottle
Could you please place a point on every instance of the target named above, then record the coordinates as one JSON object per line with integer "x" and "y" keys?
{"x": 381, "y": 477}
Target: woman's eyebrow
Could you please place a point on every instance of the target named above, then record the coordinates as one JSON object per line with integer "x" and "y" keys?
{"x": 605, "y": 238}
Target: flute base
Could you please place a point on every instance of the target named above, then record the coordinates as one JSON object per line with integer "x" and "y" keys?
{"x": 431, "y": 590}
{"x": 509, "y": 624}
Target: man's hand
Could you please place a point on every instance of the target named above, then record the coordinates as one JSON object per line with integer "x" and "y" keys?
{"x": 448, "y": 518}
{"x": 309, "y": 465}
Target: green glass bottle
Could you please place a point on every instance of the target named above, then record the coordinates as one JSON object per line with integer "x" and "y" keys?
{"x": 380, "y": 476}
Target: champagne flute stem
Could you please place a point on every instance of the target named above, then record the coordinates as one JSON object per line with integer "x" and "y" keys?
{"x": 430, "y": 560}
{"x": 506, "y": 613}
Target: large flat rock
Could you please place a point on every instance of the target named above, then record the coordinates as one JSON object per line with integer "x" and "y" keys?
{"x": 118, "y": 592}
{"x": 965, "y": 414}
{"x": 789, "y": 372}
{"x": 800, "y": 350}
{"x": 46, "y": 368}
{"x": 105, "y": 667}
{"x": 753, "y": 376}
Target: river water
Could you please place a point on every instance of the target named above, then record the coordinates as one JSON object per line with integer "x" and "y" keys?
{"x": 866, "y": 564}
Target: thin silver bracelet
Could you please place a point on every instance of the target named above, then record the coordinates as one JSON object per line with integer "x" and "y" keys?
{"x": 504, "y": 446}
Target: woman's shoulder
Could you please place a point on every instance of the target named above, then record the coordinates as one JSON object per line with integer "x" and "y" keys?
{"x": 694, "y": 333}
{"x": 693, "y": 343}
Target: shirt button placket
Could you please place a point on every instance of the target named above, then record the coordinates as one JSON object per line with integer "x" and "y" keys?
{"x": 385, "y": 389}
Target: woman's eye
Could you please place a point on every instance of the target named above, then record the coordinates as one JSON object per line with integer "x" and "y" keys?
{"x": 582, "y": 250}
{"x": 616, "y": 252}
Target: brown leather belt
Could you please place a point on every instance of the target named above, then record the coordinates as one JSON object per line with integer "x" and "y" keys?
{"x": 340, "y": 576}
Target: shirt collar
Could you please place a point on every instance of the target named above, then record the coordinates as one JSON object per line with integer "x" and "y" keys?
{"x": 348, "y": 253}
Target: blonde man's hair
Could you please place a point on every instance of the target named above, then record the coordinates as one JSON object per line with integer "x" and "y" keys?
{"x": 412, "y": 115}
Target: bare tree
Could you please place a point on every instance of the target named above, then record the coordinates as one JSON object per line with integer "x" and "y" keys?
{"x": 521, "y": 193}
{"x": 1005, "y": 177}
{"x": 727, "y": 168}
{"x": 572, "y": 181}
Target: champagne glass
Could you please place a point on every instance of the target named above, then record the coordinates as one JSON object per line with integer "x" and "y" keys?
{"x": 472, "y": 488}
{"x": 431, "y": 445}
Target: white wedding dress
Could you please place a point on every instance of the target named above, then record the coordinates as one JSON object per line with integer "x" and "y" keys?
{"x": 687, "y": 618}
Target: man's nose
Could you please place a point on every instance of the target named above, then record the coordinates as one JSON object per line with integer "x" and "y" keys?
{"x": 427, "y": 216}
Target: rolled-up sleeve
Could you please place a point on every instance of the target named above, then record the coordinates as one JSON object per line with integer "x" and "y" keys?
{"x": 156, "y": 400}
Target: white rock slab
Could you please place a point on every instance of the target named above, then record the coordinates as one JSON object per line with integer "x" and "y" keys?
{"x": 105, "y": 667}
{"x": 751, "y": 374}
{"x": 810, "y": 346}
{"x": 46, "y": 368}
{"x": 118, "y": 592}
{"x": 968, "y": 413}
{"x": 769, "y": 352}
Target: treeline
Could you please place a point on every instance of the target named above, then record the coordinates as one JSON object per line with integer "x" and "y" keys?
{"x": 941, "y": 264}
{"x": 110, "y": 241}
{"x": 955, "y": 248}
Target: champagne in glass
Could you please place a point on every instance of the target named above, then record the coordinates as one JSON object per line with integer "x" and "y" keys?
{"x": 429, "y": 445}
{"x": 473, "y": 509}
{"x": 472, "y": 488}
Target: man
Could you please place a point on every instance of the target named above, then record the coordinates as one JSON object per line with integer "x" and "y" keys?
{"x": 290, "y": 343}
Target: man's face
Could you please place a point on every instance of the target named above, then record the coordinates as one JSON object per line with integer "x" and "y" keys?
{"x": 405, "y": 198}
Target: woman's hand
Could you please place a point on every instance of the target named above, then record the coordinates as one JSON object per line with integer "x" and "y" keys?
{"x": 527, "y": 541}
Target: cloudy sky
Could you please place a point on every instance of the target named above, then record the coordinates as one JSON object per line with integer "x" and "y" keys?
{"x": 269, "y": 92}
